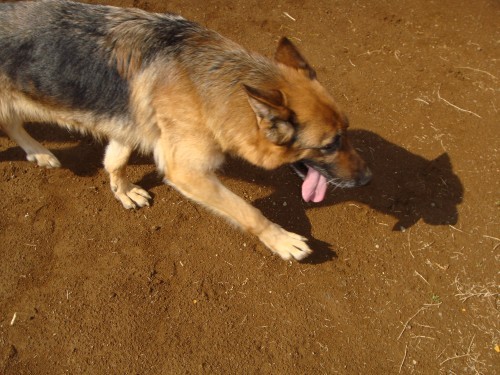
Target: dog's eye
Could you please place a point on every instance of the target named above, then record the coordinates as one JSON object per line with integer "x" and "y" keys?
{"x": 332, "y": 146}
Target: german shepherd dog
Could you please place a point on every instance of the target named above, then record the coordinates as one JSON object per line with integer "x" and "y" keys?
{"x": 166, "y": 86}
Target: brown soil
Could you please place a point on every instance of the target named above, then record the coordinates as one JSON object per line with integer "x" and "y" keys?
{"x": 404, "y": 278}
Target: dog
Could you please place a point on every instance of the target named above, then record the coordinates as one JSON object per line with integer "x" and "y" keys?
{"x": 166, "y": 86}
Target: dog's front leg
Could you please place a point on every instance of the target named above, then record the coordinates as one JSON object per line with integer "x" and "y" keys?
{"x": 115, "y": 163}
{"x": 205, "y": 188}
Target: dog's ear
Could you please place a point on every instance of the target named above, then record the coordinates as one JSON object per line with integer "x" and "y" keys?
{"x": 272, "y": 114}
{"x": 266, "y": 104}
{"x": 287, "y": 54}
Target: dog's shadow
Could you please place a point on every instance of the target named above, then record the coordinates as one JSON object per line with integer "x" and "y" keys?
{"x": 405, "y": 186}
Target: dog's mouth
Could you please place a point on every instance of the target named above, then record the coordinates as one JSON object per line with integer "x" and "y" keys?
{"x": 315, "y": 183}
{"x": 317, "y": 178}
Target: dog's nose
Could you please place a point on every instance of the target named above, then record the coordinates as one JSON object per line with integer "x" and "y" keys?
{"x": 365, "y": 177}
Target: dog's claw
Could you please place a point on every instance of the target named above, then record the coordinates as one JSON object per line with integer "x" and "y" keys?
{"x": 287, "y": 245}
{"x": 132, "y": 196}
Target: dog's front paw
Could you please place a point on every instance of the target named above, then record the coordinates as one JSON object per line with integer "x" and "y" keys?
{"x": 131, "y": 196}
{"x": 287, "y": 245}
{"x": 46, "y": 159}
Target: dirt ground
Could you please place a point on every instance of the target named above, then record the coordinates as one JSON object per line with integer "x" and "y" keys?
{"x": 404, "y": 278}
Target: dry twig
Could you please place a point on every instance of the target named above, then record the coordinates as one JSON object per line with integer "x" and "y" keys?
{"x": 455, "y": 106}
{"x": 404, "y": 358}
{"x": 289, "y": 16}
{"x": 409, "y": 320}
{"x": 423, "y": 278}
{"x": 477, "y": 70}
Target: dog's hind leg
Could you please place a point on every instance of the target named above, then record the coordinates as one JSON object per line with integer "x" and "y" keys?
{"x": 35, "y": 152}
{"x": 115, "y": 163}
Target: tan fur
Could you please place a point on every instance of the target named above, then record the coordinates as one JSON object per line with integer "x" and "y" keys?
{"x": 190, "y": 124}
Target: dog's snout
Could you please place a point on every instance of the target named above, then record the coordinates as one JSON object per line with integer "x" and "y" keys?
{"x": 365, "y": 177}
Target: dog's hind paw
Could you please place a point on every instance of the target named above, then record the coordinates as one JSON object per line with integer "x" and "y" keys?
{"x": 286, "y": 244}
{"x": 132, "y": 196}
{"x": 45, "y": 159}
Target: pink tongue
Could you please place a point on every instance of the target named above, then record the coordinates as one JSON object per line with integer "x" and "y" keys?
{"x": 314, "y": 186}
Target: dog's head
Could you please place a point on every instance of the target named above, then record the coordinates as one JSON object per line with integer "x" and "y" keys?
{"x": 304, "y": 126}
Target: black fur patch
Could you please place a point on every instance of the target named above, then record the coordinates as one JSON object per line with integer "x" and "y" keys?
{"x": 54, "y": 50}
{"x": 56, "y": 57}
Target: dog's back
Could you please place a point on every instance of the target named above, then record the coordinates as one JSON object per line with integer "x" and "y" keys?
{"x": 68, "y": 53}
{"x": 75, "y": 64}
